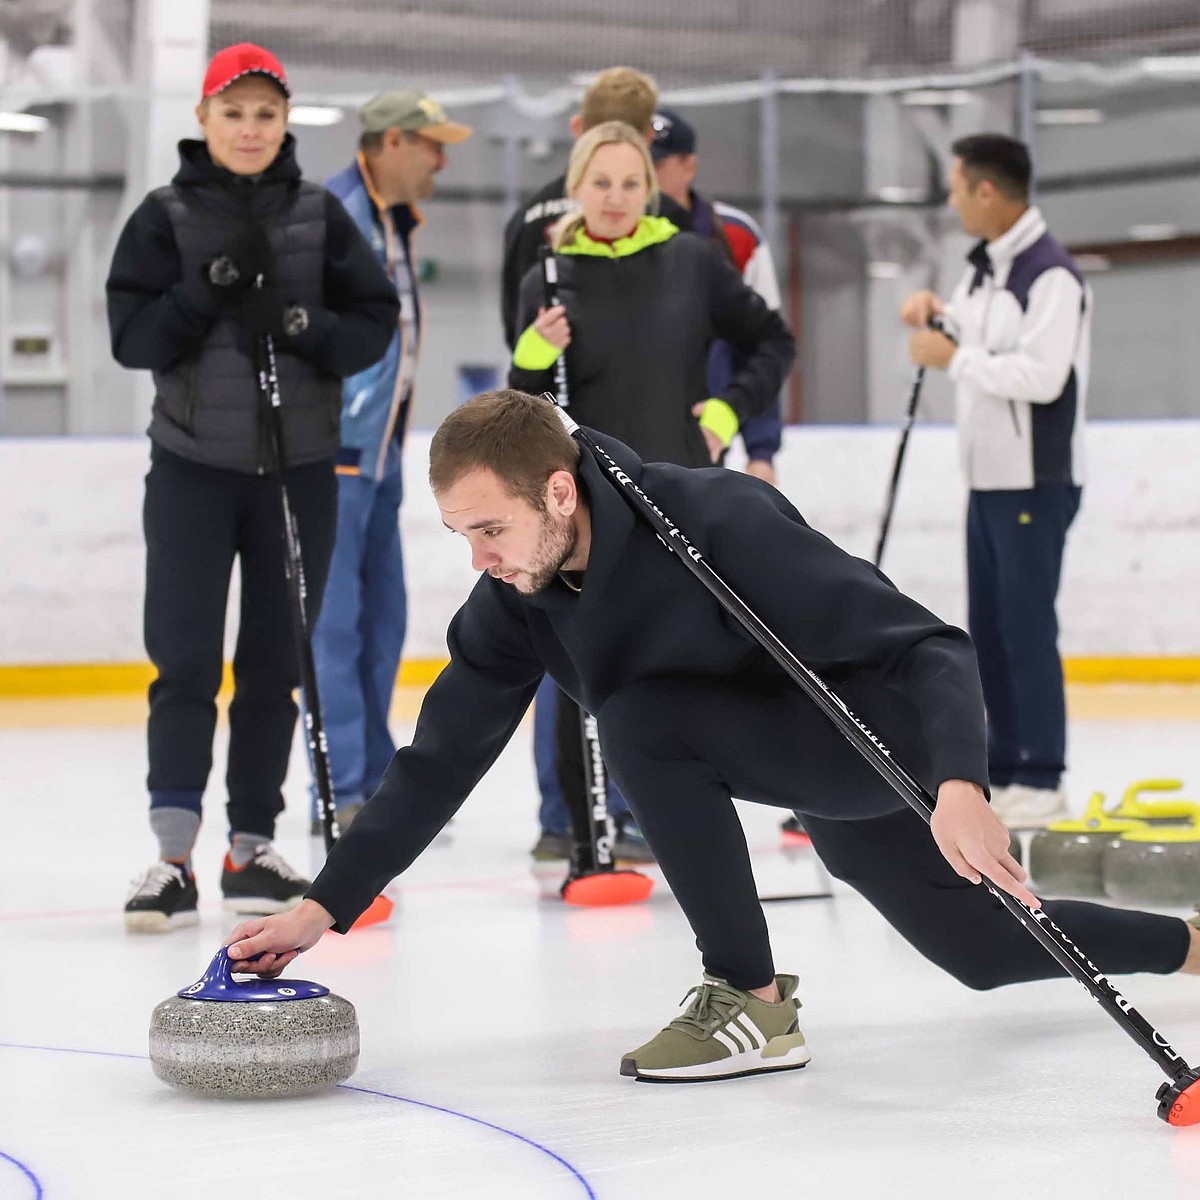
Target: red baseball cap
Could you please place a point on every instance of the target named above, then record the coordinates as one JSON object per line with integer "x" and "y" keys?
{"x": 245, "y": 58}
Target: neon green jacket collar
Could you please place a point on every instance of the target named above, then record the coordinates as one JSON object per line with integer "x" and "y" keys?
{"x": 650, "y": 231}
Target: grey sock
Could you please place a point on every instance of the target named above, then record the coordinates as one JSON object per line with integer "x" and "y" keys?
{"x": 176, "y": 830}
{"x": 244, "y": 846}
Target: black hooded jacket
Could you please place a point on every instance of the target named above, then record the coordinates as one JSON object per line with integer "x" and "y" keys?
{"x": 164, "y": 318}
{"x": 643, "y": 318}
{"x": 642, "y": 616}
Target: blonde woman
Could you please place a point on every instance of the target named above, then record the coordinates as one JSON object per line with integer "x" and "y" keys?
{"x": 640, "y": 304}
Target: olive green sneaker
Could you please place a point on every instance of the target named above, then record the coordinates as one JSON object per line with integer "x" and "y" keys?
{"x": 723, "y": 1033}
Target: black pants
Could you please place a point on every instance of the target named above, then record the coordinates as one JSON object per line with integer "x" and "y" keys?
{"x": 680, "y": 748}
{"x": 1015, "y": 543}
{"x": 197, "y": 520}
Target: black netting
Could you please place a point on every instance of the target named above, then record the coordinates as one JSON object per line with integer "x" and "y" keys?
{"x": 688, "y": 41}
{"x": 678, "y": 40}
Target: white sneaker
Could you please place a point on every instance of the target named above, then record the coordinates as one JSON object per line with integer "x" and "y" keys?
{"x": 1023, "y": 807}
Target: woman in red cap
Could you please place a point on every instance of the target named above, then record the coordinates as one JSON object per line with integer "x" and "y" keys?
{"x": 236, "y": 248}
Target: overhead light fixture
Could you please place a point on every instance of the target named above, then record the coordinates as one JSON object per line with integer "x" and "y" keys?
{"x": 314, "y": 114}
{"x": 938, "y": 97}
{"x": 890, "y": 194}
{"x": 20, "y": 122}
{"x": 1153, "y": 233}
{"x": 1172, "y": 66}
{"x": 1070, "y": 116}
{"x": 883, "y": 270}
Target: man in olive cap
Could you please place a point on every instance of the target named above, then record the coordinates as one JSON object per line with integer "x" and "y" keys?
{"x": 360, "y": 631}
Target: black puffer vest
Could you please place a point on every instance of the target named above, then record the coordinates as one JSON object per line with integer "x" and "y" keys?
{"x": 207, "y": 407}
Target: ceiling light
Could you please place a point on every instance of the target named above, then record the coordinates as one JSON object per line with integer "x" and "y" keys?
{"x": 1153, "y": 233}
{"x": 890, "y": 194}
{"x": 19, "y": 122}
{"x": 314, "y": 114}
{"x": 937, "y": 98}
{"x": 1172, "y": 66}
{"x": 883, "y": 270}
{"x": 1069, "y": 116}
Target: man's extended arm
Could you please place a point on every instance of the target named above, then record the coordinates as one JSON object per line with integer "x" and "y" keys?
{"x": 468, "y": 717}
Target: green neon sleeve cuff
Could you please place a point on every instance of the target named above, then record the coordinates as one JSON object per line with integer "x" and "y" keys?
{"x": 533, "y": 352}
{"x": 720, "y": 420}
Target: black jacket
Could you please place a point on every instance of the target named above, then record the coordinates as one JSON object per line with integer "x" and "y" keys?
{"x": 641, "y": 615}
{"x": 525, "y": 235}
{"x": 163, "y": 317}
{"x": 641, "y": 328}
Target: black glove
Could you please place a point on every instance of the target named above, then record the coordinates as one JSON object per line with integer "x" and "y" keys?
{"x": 241, "y": 261}
{"x": 265, "y": 313}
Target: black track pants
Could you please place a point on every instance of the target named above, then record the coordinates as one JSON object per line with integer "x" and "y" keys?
{"x": 197, "y": 520}
{"x": 679, "y": 748}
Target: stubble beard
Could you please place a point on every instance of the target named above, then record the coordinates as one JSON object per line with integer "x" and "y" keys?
{"x": 556, "y": 547}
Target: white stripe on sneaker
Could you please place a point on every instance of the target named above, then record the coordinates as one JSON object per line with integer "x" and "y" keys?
{"x": 739, "y": 1035}
{"x": 756, "y": 1034}
{"x": 734, "y": 1047}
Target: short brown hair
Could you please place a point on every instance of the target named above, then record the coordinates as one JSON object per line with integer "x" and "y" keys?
{"x": 518, "y": 437}
{"x": 620, "y": 94}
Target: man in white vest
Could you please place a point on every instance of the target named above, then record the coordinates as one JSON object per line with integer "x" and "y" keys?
{"x": 1020, "y": 319}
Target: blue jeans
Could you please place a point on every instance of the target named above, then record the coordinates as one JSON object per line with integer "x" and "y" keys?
{"x": 360, "y": 632}
{"x": 552, "y": 813}
{"x": 1015, "y": 543}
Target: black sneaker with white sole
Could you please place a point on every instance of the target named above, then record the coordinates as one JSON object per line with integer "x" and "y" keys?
{"x": 162, "y": 899}
{"x": 266, "y": 884}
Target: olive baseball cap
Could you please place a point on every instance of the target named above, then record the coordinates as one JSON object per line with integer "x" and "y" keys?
{"x": 413, "y": 112}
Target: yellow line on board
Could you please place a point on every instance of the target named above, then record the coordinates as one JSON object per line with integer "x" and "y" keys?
{"x": 1132, "y": 670}
{"x": 118, "y": 679}
{"x": 97, "y": 679}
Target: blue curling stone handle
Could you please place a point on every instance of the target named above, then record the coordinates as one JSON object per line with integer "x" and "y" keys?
{"x": 218, "y": 983}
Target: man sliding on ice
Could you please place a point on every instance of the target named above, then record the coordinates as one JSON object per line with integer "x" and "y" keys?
{"x": 691, "y": 712}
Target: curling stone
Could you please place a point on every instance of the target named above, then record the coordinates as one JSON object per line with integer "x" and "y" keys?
{"x": 1015, "y": 848}
{"x": 1067, "y": 857}
{"x": 253, "y": 1039}
{"x": 1156, "y": 865}
{"x": 1155, "y": 812}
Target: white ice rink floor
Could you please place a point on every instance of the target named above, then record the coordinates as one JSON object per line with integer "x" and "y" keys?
{"x": 493, "y": 1020}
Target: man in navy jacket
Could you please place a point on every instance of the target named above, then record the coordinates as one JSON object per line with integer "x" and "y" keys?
{"x": 692, "y": 710}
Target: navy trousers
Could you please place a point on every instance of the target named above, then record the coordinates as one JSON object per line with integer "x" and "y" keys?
{"x": 197, "y": 521}
{"x": 1015, "y": 542}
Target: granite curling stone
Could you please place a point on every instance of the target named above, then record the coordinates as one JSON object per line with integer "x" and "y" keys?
{"x": 1015, "y": 848}
{"x": 1154, "y": 812}
{"x": 253, "y": 1039}
{"x": 1155, "y": 865}
{"x": 1067, "y": 857}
